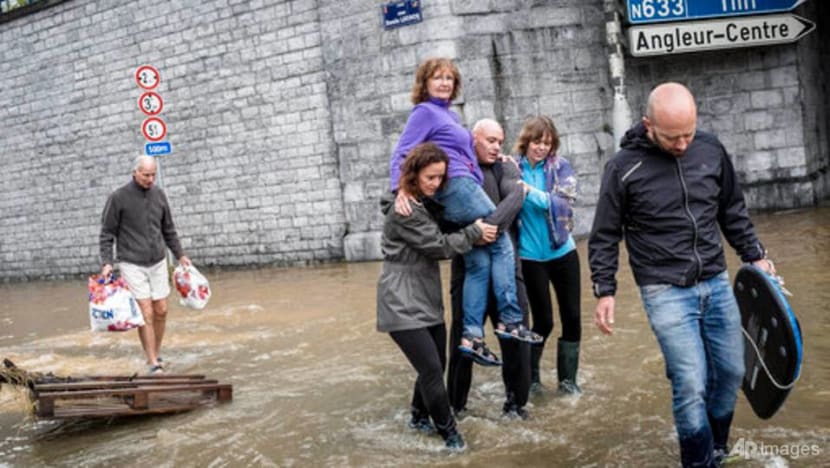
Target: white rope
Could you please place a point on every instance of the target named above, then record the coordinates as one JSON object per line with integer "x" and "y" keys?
{"x": 764, "y": 365}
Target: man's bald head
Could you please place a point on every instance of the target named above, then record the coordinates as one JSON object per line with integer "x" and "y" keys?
{"x": 485, "y": 125}
{"x": 488, "y": 137}
{"x": 671, "y": 118}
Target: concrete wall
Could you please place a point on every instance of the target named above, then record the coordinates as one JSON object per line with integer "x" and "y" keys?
{"x": 517, "y": 59}
{"x": 253, "y": 176}
{"x": 814, "y": 76}
{"x": 768, "y": 105}
{"x": 283, "y": 115}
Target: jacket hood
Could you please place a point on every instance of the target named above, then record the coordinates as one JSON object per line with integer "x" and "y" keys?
{"x": 636, "y": 138}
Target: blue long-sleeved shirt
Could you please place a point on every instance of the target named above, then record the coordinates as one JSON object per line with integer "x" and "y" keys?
{"x": 534, "y": 234}
{"x": 433, "y": 121}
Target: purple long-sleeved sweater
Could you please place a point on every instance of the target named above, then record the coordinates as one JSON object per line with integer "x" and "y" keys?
{"x": 433, "y": 121}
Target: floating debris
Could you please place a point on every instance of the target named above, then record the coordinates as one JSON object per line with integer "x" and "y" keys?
{"x": 56, "y": 397}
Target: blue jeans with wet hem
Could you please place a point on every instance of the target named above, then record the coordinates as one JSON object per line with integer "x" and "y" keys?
{"x": 699, "y": 332}
{"x": 465, "y": 201}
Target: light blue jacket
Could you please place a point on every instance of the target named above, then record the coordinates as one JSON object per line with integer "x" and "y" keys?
{"x": 547, "y": 211}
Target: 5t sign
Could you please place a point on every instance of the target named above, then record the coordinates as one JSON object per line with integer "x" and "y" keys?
{"x": 154, "y": 129}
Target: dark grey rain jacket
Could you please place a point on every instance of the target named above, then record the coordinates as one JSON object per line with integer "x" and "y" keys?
{"x": 409, "y": 288}
{"x": 139, "y": 223}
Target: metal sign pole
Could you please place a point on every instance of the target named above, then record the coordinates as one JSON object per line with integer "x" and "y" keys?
{"x": 159, "y": 181}
{"x": 153, "y": 128}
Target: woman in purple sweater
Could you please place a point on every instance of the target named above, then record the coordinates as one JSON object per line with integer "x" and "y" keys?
{"x": 437, "y": 83}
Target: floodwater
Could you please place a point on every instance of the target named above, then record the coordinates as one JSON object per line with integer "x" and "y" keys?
{"x": 316, "y": 385}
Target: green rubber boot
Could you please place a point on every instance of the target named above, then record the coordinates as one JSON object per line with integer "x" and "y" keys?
{"x": 567, "y": 362}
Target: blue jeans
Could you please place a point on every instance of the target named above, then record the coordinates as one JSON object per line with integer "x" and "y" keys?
{"x": 465, "y": 201}
{"x": 699, "y": 331}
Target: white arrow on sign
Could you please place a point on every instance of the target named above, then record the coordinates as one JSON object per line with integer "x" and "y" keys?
{"x": 694, "y": 36}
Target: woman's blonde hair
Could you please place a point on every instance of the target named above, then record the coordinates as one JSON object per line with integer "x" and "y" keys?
{"x": 426, "y": 69}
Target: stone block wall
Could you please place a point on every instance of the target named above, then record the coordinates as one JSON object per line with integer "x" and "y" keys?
{"x": 283, "y": 114}
{"x": 517, "y": 59}
{"x": 549, "y": 59}
{"x": 760, "y": 101}
{"x": 253, "y": 177}
{"x": 814, "y": 79}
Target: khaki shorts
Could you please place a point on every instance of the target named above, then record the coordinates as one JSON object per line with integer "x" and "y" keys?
{"x": 146, "y": 282}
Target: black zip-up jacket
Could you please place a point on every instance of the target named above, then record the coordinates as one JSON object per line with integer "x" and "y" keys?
{"x": 668, "y": 209}
{"x": 139, "y": 222}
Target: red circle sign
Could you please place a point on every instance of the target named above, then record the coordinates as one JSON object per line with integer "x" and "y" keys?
{"x": 147, "y": 77}
{"x": 154, "y": 129}
{"x": 150, "y": 103}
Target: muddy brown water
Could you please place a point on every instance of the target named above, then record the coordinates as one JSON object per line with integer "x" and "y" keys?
{"x": 316, "y": 385}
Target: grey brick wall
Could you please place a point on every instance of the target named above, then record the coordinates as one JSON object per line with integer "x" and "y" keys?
{"x": 253, "y": 177}
{"x": 768, "y": 105}
{"x": 548, "y": 59}
{"x": 283, "y": 114}
{"x": 517, "y": 59}
{"x": 749, "y": 99}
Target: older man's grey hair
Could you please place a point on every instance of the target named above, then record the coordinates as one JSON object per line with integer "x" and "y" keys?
{"x": 141, "y": 160}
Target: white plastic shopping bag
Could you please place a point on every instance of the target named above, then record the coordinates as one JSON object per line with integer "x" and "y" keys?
{"x": 192, "y": 286}
{"x": 111, "y": 305}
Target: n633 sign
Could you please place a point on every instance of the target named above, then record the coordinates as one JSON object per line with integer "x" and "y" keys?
{"x": 653, "y": 11}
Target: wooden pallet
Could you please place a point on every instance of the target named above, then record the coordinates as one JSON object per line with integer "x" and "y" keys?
{"x": 111, "y": 396}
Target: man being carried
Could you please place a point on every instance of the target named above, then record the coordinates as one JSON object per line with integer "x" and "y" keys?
{"x": 501, "y": 183}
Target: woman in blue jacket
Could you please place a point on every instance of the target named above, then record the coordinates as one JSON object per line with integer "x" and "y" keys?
{"x": 546, "y": 247}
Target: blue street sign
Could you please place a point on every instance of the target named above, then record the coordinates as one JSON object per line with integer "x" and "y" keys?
{"x": 158, "y": 148}
{"x": 655, "y": 11}
{"x": 401, "y": 13}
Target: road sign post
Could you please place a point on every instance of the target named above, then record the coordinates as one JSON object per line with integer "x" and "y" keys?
{"x": 694, "y": 36}
{"x": 655, "y": 11}
{"x": 153, "y": 128}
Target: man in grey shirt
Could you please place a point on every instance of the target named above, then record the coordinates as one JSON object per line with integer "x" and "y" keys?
{"x": 137, "y": 220}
